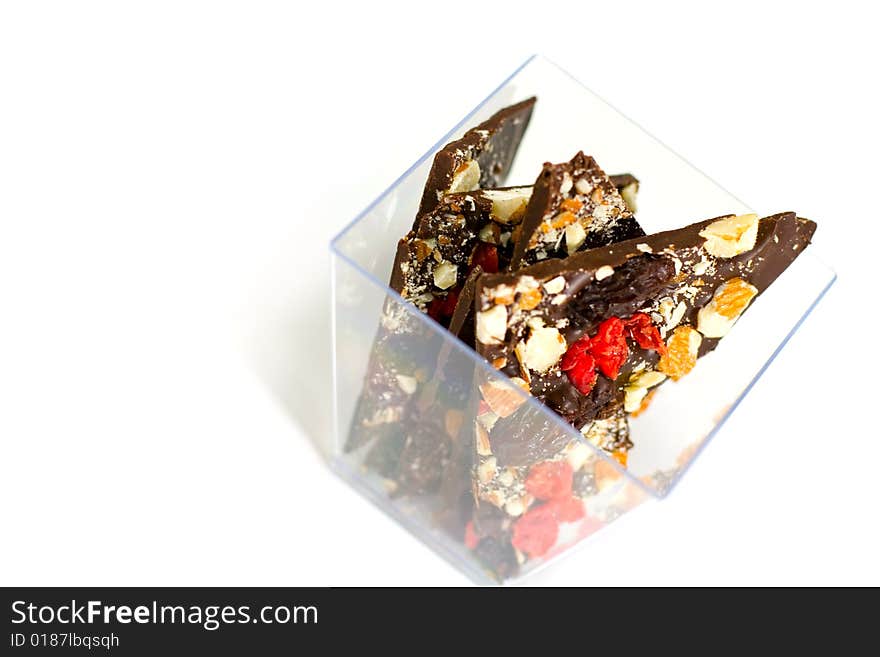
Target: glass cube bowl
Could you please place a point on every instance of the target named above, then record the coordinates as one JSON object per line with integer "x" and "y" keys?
{"x": 407, "y": 398}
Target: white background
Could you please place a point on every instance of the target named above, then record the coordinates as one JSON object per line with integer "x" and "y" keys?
{"x": 171, "y": 173}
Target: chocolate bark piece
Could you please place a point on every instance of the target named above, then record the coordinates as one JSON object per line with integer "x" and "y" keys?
{"x": 401, "y": 359}
{"x": 467, "y": 229}
{"x": 573, "y": 207}
{"x": 675, "y": 294}
{"x": 688, "y": 286}
{"x": 480, "y": 159}
{"x": 627, "y": 186}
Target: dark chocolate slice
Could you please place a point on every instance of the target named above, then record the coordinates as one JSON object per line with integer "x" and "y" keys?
{"x": 688, "y": 287}
{"x": 480, "y": 159}
{"x": 575, "y": 206}
{"x": 590, "y": 336}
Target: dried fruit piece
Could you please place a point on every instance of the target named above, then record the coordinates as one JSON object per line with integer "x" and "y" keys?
{"x": 441, "y": 308}
{"x": 682, "y": 349}
{"x": 471, "y": 539}
{"x": 529, "y": 299}
{"x": 584, "y": 376}
{"x": 575, "y": 353}
{"x": 562, "y": 220}
{"x": 571, "y": 204}
{"x": 536, "y": 531}
{"x": 550, "y": 480}
{"x": 732, "y": 297}
{"x": 567, "y": 509}
{"x": 645, "y": 333}
{"x": 609, "y": 347}
{"x": 580, "y": 366}
{"x": 729, "y": 301}
{"x": 485, "y": 256}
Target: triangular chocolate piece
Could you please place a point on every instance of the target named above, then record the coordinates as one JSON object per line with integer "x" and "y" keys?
{"x": 639, "y": 310}
{"x": 590, "y": 336}
{"x": 481, "y": 159}
{"x": 575, "y": 206}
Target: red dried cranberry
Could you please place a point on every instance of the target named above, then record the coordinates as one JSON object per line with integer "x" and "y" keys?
{"x": 536, "y": 531}
{"x": 471, "y": 540}
{"x": 486, "y": 256}
{"x": 575, "y": 352}
{"x": 550, "y": 480}
{"x": 442, "y": 308}
{"x": 609, "y": 347}
{"x": 580, "y": 366}
{"x": 645, "y": 333}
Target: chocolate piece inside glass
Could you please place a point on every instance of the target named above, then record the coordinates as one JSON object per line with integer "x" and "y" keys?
{"x": 593, "y": 335}
{"x": 481, "y": 159}
{"x": 557, "y": 287}
{"x": 574, "y": 206}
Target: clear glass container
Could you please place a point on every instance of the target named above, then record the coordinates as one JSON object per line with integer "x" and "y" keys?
{"x": 407, "y": 393}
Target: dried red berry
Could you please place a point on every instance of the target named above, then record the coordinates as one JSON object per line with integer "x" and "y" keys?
{"x": 607, "y": 350}
{"x": 583, "y": 377}
{"x": 486, "y": 256}
{"x": 609, "y": 347}
{"x": 580, "y": 366}
{"x": 471, "y": 540}
{"x": 441, "y": 308}
{"x": 611, "y": 330}
{"x": 550, "y": 480}
{"x": 536, "y": 531}
{"x": 434, "y": 309}
{"x": 575, "y": 352}
{"x": 568, "y": 509}
{"x": 645, "y": 333}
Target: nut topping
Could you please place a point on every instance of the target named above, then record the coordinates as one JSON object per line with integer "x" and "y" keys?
{"x": 466, "y": 177}
{"x": 543, "y": 349}
{"x": 445, "y": 275}
{"x": 492, "y": 325}
{"x": 731, "y": 236}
